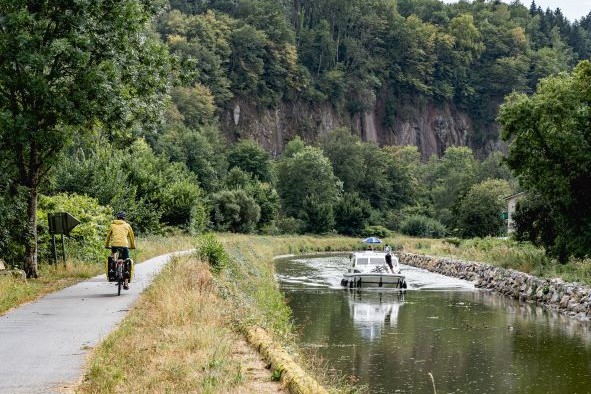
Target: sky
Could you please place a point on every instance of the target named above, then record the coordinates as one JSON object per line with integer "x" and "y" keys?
{"x": 571, "y": 9}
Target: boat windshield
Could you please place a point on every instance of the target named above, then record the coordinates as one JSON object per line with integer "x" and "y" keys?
{"x": 369, "y": 261}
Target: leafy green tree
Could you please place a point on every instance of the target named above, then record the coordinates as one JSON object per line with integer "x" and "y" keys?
{"x": 479, "y": 213}
{"x": 308, "y": 175}
{"x": 63, "y": 67}
{"x": 549, "y": 142}
{"x": 169, "y": 186}
{"x": 201, "y": 43}
{"x": 317, "y": 215}
{"x": 451, "y": 178}
{"x": 351, "y": 214}
{"x": 267, "y": 198}
{"x": 147, "y": 186}
{"x": 552, "y": 59}
{"x": 235, "y": 211}
{"x": 104, "y": 170}
{"x": 294, "y": 146}
{"x": 196, "y": 104}
{"x": 251, "y": 158}
{"x": 196, "y": 149}
{"x": 345, "y": 152}
{"x": 13, "y": 208}
{"x": 533, "y": 221}
{"x": 494, "y": 167}
{"x": 263, "y": 193}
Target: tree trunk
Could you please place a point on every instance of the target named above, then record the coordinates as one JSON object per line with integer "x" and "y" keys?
{"x": 30, "y": 263}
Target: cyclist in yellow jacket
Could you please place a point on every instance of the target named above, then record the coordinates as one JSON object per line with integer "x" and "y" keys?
{"x": 120, "y": 238}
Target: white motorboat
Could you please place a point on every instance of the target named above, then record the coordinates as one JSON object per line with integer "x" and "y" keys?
{"x": 369, "y": 269}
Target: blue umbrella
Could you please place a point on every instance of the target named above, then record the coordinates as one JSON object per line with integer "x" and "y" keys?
{"x": 372, "y": 240}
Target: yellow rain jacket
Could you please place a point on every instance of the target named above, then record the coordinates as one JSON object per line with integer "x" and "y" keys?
{"x": 119, "y": 233}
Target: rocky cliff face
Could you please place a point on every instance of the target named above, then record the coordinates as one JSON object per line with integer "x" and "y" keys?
{"x": 431, "y": 127}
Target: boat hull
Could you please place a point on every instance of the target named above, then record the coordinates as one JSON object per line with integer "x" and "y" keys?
{"x": 374, "y": 280}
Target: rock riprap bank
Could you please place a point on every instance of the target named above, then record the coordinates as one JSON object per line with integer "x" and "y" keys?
{"x": 572, "y": 299}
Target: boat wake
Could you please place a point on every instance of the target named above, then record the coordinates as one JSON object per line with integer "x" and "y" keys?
{"x": 326, "y": 272}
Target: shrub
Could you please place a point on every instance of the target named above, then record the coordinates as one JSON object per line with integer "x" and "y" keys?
{"x": 422, "y": 226}
{"x": 290, "y": 225}
{"x": 210, "y": 249}
{"x": 375, "y": 231}
{"x": 235, "y": 211}
{"x": 85, "y": 242}
{"x": 479, "y": 211}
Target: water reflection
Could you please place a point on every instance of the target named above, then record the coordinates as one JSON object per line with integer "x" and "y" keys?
{"x": 471, "y": 341}
{"x": 531, "y": 317}
{"x": 371, "y": 311}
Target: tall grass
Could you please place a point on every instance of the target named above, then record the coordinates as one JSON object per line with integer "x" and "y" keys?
{"x": 180, "y": 336}
{"x": 176, "y": 339}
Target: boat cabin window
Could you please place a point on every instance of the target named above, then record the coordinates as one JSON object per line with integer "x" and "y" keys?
{"x": 366, "y": 261}
{"x": 377, "y": 261}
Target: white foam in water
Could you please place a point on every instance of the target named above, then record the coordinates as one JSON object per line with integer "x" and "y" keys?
{"x": 327, "y": 272}
{"x": 421, "y": 279}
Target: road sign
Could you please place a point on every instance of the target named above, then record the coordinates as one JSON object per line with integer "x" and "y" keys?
{"x": 61, "y": 223}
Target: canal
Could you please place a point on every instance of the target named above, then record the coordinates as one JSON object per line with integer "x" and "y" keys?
{"x": 441, "y": 332}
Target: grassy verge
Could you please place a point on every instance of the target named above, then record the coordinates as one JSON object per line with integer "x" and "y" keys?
{"x": 15, "y": 292}
{"x": 175, "y": 340}
{"x": 179, "y": 336}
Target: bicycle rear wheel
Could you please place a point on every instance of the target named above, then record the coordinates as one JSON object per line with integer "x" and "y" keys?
{"x": 119, "y": 278}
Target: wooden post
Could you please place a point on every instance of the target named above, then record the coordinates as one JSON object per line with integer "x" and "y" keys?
{"x": 64, "y": 249}
{"x": 54, "y": 249}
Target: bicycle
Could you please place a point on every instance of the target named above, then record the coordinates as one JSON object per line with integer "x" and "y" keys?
{"x": 118, "y": 269}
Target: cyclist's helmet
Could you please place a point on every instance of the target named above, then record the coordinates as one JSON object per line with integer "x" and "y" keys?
{"x": 120, "y": 215}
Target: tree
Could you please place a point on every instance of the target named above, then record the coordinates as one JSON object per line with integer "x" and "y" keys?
{"x": 64, "y": 66}
{"x": 479, "y": 213}
{"x": 451, "y": 177}
{"x": 345, "y": 152}
{"x": 351, "y": 214}
{"x": 307, "y": 174}
{"x": 251, "y": 158}
{"x": 196, "y": 149}
{"x": 549, "y": 142}
{"x": 533, "y": 221}
{"x": 195, "y": 104}
{"x": 234, "y": 210}
{"x": 264, "y": 194}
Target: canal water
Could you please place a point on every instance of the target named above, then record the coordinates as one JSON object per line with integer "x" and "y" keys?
{"x": 441, "y": 332}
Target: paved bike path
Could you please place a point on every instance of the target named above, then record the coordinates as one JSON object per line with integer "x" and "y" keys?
{"x": 44, "y": 344}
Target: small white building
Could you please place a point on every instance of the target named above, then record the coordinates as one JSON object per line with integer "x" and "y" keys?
{"x": 511, "y": 206}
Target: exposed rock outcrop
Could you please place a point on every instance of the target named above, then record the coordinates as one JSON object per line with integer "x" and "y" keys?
{"x": 429, "y": 126}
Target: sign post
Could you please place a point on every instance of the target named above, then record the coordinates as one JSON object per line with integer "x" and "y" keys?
{"x": 60, "y": 223}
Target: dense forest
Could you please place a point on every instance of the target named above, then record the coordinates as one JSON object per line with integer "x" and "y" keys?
{"x": 359, "y": 60}
{"x": 109, "y": 107}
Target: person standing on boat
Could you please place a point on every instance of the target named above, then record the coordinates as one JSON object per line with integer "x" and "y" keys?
{"x": 389, "y": 260}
